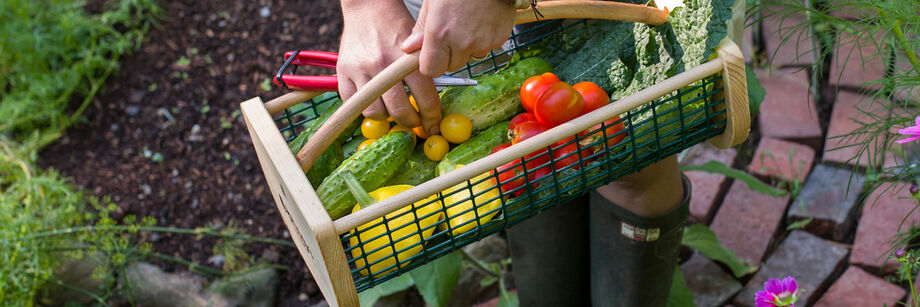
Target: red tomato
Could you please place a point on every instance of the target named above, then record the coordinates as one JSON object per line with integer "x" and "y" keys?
{"x": 526, "y": 130}
{"x": 500, "y": 147}
{"x": 611, "y": 131}
{"x": 533, "y": 87}
{"x": 520, "y": 118}
{"x": 506, "y": 174}
{"x": 594, "y": 96}
{"x": 558, "y": 104}
{"x": 561, "y": 149}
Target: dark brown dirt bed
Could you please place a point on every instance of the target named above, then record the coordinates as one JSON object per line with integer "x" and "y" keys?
{"x": 209, "y": 174}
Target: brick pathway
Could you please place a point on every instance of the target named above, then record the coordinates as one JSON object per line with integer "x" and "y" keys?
{"x": 840, "y": 257}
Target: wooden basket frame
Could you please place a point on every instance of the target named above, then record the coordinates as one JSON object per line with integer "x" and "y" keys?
{"x": 316, "y": 235}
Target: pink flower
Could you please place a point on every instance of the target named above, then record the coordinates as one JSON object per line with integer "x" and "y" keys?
{"x": 912, "y": 131}
{"x": 777, "y": 293}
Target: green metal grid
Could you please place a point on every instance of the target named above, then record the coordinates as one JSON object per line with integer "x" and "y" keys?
{"x": 650, "y": 135}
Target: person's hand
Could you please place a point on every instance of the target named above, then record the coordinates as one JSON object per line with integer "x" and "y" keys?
{"x": 370, "y": 41}
{"x": 449, "y": 32}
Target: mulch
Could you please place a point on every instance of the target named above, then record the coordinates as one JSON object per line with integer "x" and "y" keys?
{"x": 164, "y": 139}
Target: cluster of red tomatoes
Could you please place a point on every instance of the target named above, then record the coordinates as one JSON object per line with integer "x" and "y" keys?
{"x": 550, "y": 102}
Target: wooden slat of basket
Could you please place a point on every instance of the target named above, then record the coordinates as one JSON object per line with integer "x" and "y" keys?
{"x": 309, "y": 224}
{"x": 734, "y": 81}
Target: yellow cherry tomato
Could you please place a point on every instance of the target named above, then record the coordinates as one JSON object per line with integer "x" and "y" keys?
{"x": 374, "y": 129}
{"x": 456, "y": 128}
{"x": 365, "y": 143}
{"x": 400, "y": 128}
{"x": 436, "y": 147}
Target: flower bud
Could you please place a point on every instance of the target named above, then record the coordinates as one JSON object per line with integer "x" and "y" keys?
{"x": 900, "y": 252}
{"x": 914, "y": 189}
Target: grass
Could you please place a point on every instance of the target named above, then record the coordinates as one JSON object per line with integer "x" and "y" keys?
{"x": 54, "y": 58}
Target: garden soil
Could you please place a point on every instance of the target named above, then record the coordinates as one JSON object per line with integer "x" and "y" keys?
{"x": 166, "y": 139}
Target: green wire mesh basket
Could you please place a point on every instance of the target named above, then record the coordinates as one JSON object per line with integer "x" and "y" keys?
{"x": 394, "y": 236}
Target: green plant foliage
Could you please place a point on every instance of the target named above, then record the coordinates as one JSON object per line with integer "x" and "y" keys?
{"x": 507, "y": 299}
{"x": 717, "y": 167}
{"x": 437, "y": 279}
{"x": 756, "y": 92}
{"x": 680, "y": 295}
{"x": 399, "y": 283}
{"x": 700, "y": 238}
{"x": 53, "y": 53}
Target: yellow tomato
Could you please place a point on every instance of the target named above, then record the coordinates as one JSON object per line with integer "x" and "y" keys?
{"x": 456, "y": 128}
{"x": 374, "y": 129}
{"x": 458, "y": 205}
{"x": 436, "y": 147}
{"x": 374, "y": 239}
{"x": 365, "y": 143}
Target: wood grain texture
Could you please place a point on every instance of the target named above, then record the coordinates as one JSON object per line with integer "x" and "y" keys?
{"x": 593, "y": 9}
{"x": 289, "y": 100}
{"x": 734, "y": 82}
{"x": 542, "y": 140}
{"x": 310, "y": 226}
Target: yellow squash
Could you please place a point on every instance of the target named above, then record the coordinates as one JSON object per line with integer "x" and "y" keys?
{"x": 459, "y": 205}
{"x": 404, "y": 232}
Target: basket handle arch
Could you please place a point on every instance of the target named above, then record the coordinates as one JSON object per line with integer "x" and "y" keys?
{"x": 408, "y": 63}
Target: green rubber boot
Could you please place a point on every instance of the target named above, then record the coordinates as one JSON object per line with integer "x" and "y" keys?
{"x": 632, "y": 257}
{"x": 549, "y": 256}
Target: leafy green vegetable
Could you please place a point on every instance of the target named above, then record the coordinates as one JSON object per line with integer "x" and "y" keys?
{"x": 700, "y": 238}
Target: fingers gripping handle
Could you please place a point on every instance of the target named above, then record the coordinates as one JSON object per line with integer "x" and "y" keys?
{"x": 363, "y": 98}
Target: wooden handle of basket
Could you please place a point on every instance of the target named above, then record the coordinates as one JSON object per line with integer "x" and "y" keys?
{"x": 408, "y": 63}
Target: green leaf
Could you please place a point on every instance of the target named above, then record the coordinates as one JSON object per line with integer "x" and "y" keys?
{"x": 507, "y": 299}
{"x": 717, "y": 167}
{"x": 680, "y": 295}
{"x": 266, "y": 85}
{"x": 399, "y": 283}
{"x": 756, "y": 92}
{"x": 183, "y": 62}
{"x": 700, "y": 238}
{"x": 799, "y": 224}
{"x": 436, "y": 280}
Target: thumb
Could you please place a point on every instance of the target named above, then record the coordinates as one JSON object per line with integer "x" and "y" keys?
{"x": 413, "y": 42}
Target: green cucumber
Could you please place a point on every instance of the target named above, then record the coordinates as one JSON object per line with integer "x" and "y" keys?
{"x": 496, "y": 97}
{"x": 333, "y": 156}
{"x": 373, "y": 166}
{"x": 417, "y": 170}
{"x": 475, "y": 148}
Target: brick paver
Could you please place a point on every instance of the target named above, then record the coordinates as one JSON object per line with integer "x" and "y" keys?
{"x": 882, "y": 214}
{"x": 811, "y": 260}
{"x": 858, "y": 288}
{"x": 780, "y": 159}
{"x": 829, "y": 197}
{"x": 707, "y": 187}
{"x": 788, "y": 110}
{"x": 711, "y": 286}
{"x": 845, "y": 119}
{"x": 848, "y": 68}
{"x": 796, "y": 49}
{"x": 747, "y": 221}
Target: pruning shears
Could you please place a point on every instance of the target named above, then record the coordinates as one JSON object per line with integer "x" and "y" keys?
{"x": 330, "y": 83}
